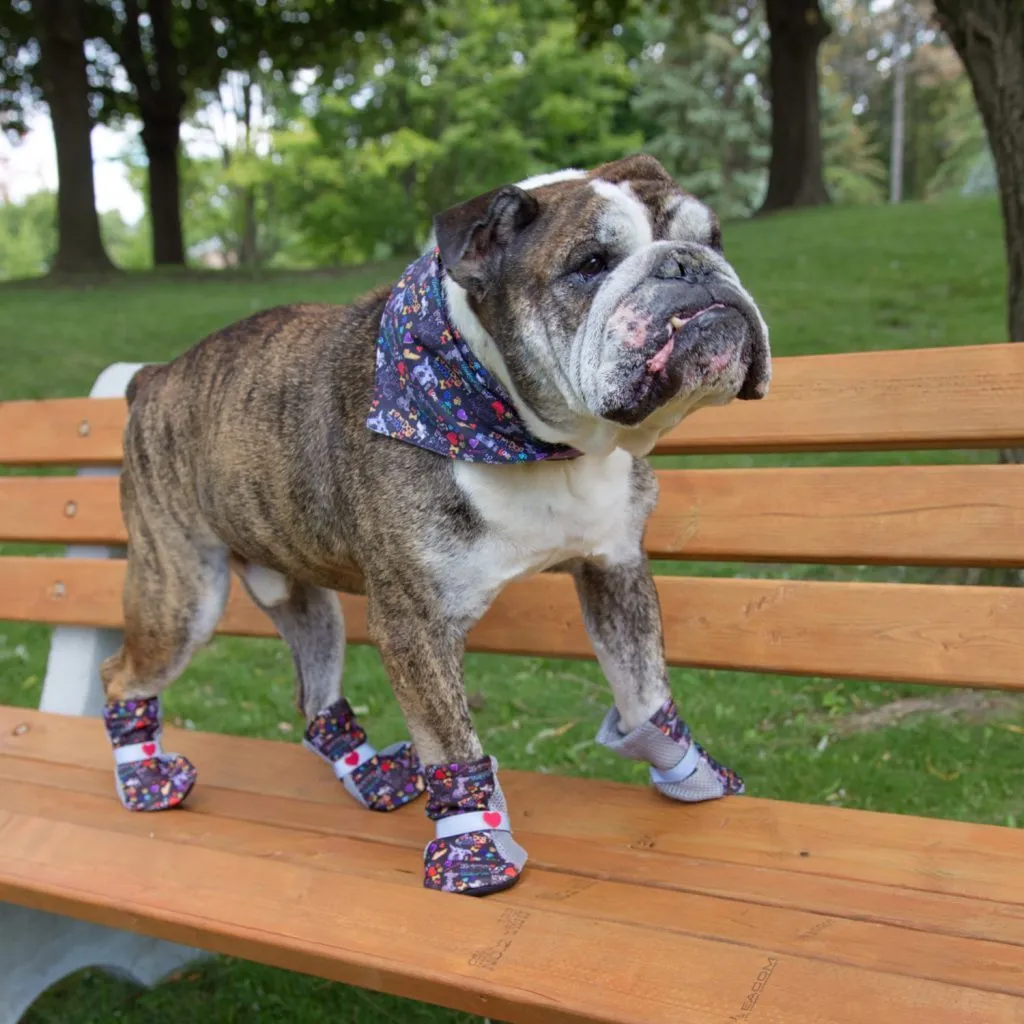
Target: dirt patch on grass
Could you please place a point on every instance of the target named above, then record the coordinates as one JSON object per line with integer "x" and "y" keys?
{"x": 975, "y": 705}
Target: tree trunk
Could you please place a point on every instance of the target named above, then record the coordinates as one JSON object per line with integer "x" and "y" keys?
{"x": 160, "y": 136}
{"x": 248, "y": 251}
{"x": 66, "y": 90}
{"x": 795, "y": 175}
{"x": 989, "y": 37}
{"x": 156, "y": 76}
{"x": 899, "y": 111}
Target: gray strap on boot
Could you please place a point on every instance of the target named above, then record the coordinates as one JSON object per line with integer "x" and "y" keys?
{"x": 681, "y": 769}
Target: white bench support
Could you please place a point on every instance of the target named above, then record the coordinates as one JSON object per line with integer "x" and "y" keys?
{"x": 38, "y": 949}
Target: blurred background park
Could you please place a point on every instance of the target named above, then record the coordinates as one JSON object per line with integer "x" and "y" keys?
{"x": 296, "y": 134}
{"x": 167, "y": 166}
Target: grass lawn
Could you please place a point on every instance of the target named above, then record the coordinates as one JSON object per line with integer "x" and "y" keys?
{"x": 828, "y": 280}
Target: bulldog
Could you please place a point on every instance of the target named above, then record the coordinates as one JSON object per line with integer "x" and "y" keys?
{"x": 484, "y": 419}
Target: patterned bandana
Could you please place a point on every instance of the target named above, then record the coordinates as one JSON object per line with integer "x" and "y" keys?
{"x": 431, "y": 391}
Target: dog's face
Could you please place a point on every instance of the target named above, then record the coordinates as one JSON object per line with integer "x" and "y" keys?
{"x": 607, "y": 297}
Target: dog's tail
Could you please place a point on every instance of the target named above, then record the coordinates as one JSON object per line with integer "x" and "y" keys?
{"x": 140, "y": 380}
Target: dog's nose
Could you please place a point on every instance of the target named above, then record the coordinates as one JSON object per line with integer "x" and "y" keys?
{"x": 689, "y": 262}
{"x": 672, "y": 267}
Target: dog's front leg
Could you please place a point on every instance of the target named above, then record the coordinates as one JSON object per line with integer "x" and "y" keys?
{"x": 623, "y": 619}
{"x": 473, "y": 850}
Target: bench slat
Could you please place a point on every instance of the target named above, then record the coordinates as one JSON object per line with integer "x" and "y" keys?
{"x": 908, "y": 515}
{"x": 951, "y": 635}
{"x": 287, "y": 890}
{"x": 955, "y": 878}
{"x": 223, "y": 824}
{"x": 956, "y": 397}
{"x": 536, "y": 967}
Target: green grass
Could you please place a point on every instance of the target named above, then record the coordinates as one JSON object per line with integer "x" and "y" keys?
{"x": 828, "y": 280}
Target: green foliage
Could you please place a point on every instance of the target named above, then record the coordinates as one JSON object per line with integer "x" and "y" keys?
{"x": 945, "y": 148}
{"x": 967, "y": 164}
{"x": 495, "y": 91}
{"x": 701, "y": 99}
{"x": 28, "y": 238}
{"x": 18, "y": 86}
{"x": 854, "y": 171}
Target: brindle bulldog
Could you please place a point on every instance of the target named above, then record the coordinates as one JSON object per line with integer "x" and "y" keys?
{"x": 485, "y": 419}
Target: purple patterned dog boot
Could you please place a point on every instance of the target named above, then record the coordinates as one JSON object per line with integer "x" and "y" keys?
{"x": 473, "y": 851}
{"x": 680, "y": 767}
{"x": 381, "y": 780}
{"x": 147, "y": 779}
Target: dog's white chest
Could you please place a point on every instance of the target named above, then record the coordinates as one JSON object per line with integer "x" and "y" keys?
{"x": 540, "y": 515}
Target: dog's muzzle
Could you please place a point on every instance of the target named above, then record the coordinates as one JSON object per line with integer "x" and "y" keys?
{"x": 687, "y": 328}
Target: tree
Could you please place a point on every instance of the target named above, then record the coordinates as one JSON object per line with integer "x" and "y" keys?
{"x": 149, "y": 53}
{"x": 18, "y": 86}
{"x": 230, "y": 197}
{"x": 797, "y": 29}
{"x": 418, "y": 126}
{"x": 173, "y": 49}
{"x": 705, "y": 115}
{"x": 65, "y": 87}
{"x": 989, "y": 36}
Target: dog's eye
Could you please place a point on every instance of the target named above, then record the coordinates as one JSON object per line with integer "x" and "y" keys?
{"x": 592, "y": 267}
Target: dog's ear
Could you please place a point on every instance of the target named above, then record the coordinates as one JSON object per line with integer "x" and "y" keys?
{"x": 472, "y": 235}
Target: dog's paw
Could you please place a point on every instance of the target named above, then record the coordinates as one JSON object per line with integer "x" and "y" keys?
{"x": 708, "y": 780}
{"x": 473, "y": 851}
{"x": 680, "y": 767}
{"x": 382, "y": 780}
{"x": 155, "y": 783}
{"x": 472, "y": 863}
{"x": 391, "y": 778}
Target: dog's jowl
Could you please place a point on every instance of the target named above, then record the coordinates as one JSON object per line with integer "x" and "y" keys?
{"x": 484, "y": 419}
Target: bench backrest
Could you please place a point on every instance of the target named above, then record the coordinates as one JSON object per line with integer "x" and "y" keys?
{"x": 968, "y": 514}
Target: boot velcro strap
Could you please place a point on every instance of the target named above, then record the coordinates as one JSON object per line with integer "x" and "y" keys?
{"x": 686, "y": 767}
{"x": 471, "y": 821}
{"x": 132, "y": 752}
{"x": 348, "y": 763}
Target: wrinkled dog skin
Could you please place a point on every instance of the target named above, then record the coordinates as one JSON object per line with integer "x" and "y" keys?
{"x": 601, "y": 300}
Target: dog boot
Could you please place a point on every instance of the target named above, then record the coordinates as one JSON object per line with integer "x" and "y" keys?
{"x": 473, "y": 850}
{"x": 381, "y": 780}
{"x": 680, "y": 767}
{"x": 147, "y": 779}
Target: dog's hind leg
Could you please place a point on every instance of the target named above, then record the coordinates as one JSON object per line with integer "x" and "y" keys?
{"x": 174, "y": 593}
{"x": 310, "y": 620}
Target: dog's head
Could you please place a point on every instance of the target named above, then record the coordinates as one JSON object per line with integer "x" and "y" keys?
{"x": 603, "y": 302}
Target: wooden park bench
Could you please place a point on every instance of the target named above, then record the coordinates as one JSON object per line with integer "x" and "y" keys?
{"x": 636, "y": 909}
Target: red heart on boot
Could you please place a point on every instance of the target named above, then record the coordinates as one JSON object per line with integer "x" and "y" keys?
{"x": 492, "y": 818}
{"x": 352, "y": 758}
{"x": 149, "y": 749}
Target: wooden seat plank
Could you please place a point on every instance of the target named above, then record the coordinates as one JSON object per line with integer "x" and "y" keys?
{"x": 521, "y": 965}
{"x": 991, "y": 966}
{"x": 589, "y": 862}
{"x": 62, "y": 432}
{"x": 949, "y": 635}
{"x": 870, "y": 515}
{"x": 956, "y": 397}
{"x": 909, "y": 515}
{"x": 787, "y": 852}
